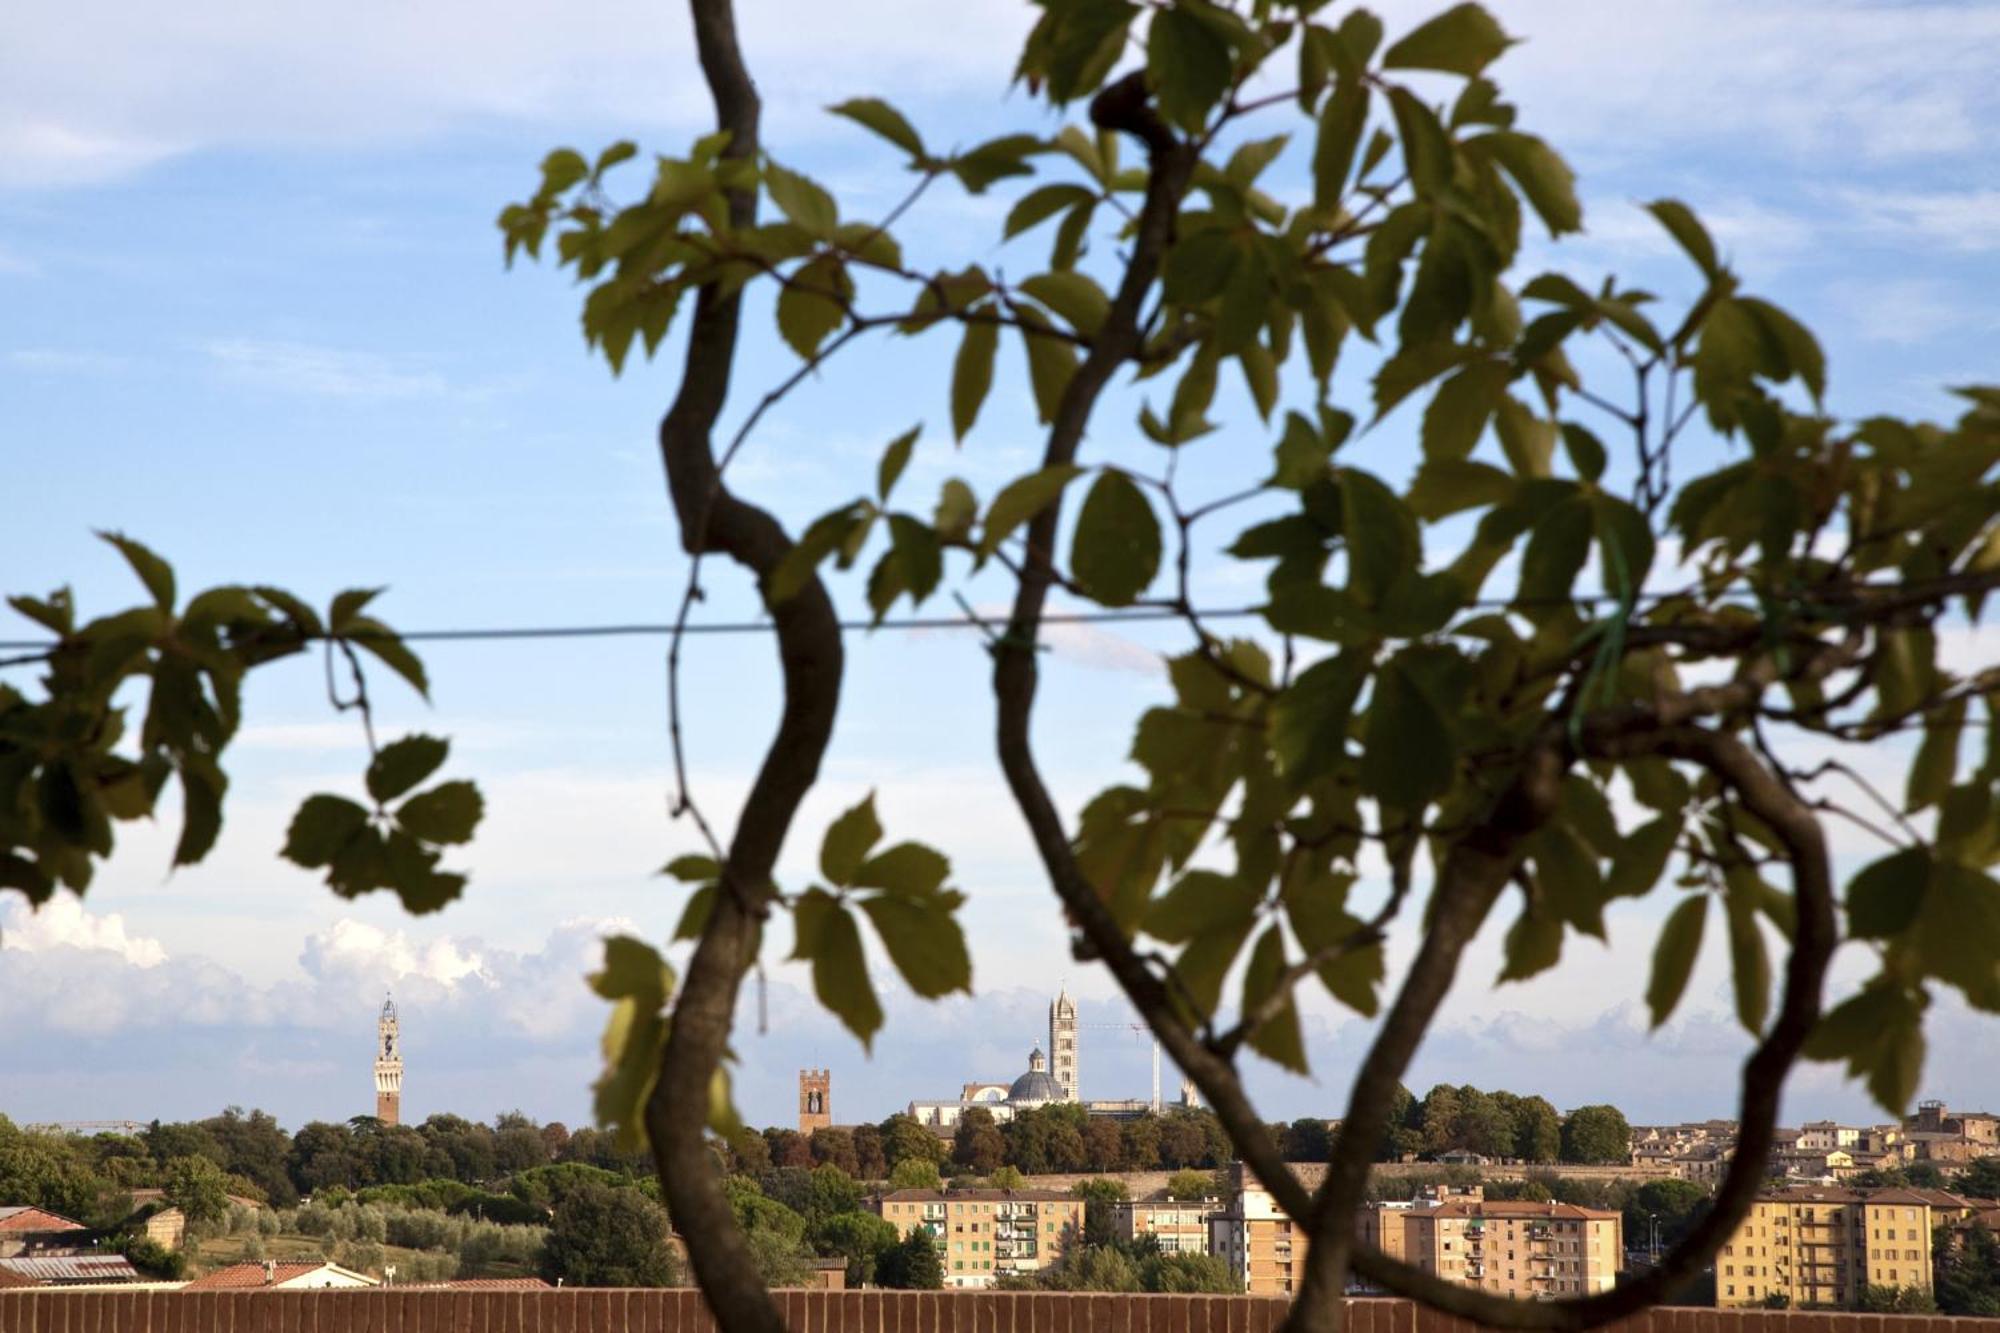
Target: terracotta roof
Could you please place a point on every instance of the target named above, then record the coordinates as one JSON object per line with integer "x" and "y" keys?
{"x": 978, "y": 1196}
{"x": 1516, "y": 1209}
{"x": 9, "y": 1278}
{"x": 26, "y": 1217}
{"x": 254, "y": 1274}
{"x": 65, "y": 1269}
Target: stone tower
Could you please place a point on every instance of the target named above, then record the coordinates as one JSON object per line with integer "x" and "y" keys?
{"x": 815, "y": 1100}
{"x": 388, "y": 1067}
{"x": 1062, "y": 1045}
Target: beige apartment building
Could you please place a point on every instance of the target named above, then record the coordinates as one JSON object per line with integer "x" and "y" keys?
{"x": 984, "y": 1234}
{"x": 1265, "y": 1249}
{"x": 1524, "y": 1250}
{"x": 1819, "y": 1247}
{"x": 1180, "y": 1227}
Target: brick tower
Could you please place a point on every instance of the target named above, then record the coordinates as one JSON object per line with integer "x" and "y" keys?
{"x": 815, "y": 1100}
{"x": 388, "y": 1067}
{"x": 1062, "y": 1045}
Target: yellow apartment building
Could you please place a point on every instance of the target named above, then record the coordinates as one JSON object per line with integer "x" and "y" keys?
{"x": 1525, "y": 1250}
{"x": 984, "y": 1234}
{"x": 1820, "y": 1247}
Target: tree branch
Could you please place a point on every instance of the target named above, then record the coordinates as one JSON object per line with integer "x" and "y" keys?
{"x": 810, "y": 653}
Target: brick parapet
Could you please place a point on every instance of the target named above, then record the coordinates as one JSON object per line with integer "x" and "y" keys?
{"x": 54, "y": 1310}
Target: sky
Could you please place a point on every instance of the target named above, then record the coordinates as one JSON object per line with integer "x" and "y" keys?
{"x": 253, "y": 312}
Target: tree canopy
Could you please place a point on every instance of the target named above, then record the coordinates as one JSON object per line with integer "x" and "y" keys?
{"x": 1565, "y": 641}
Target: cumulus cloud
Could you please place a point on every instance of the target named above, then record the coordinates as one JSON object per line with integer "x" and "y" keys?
{"x": 64, "y": 924}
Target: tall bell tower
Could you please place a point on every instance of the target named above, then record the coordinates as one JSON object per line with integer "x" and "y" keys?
{"x": 388, "y": 1067}
{"x": 815, "y": 1100}
{"x": 1062, "y": 1044}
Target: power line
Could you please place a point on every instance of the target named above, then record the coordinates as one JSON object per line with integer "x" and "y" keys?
{"x": 1132, "y": 615}
{"x": 643, "y": 630}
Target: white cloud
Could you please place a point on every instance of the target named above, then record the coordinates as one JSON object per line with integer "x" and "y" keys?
{"x": 301, "y": 368}
{"x": 1909, "y": 311}
{"x": 62, "y": 923}
{"x": 60, "y": 361}
{"x": 1965, "y": 220}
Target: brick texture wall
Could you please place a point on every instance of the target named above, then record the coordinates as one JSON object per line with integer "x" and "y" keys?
{"x": 681, "y": 1311}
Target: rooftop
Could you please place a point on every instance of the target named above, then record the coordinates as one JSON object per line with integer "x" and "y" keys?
{"x": 70, "y": 1269}
{"x": 269, "y": 1274}
{"x": 978, "y": 1196}
{"x": 26, "y": 1217}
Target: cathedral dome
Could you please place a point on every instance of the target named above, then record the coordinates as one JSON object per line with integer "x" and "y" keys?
{"x": 1034, "y": 1087}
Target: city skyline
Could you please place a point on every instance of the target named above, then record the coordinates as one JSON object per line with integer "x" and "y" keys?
{"x": 444, "y": 434}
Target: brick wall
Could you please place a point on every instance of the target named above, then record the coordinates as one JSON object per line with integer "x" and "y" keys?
{"x": 681, "y": 1311}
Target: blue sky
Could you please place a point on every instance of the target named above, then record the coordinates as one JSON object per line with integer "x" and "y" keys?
{"x": 254, "y": 313}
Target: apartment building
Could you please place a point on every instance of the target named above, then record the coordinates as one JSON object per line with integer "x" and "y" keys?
{"x": 1820, "y": 1247}
{"x": 1179, "y": 1226}
{"x": 1265, "y": 1249}
{"x": 1524, "y": 1250}
{"x": 984, "y": 1234}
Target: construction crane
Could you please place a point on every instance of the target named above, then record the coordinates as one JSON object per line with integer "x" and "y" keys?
{"x": 1142, "y": 1030}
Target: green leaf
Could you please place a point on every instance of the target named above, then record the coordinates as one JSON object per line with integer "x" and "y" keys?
{"x": 1051, "y": 361}
{"x": 387, "y": 647}
{"x": 872, "y": 113}
{"x": 802, "y": 201}
{"x": 1461, "y": 407}
{"x": 1959, "y": 931}
{"x": 1041, "y": 204}
{"x": 1543, "y": 177}
{"x": 694, "y": 916}
{"x": 635, "y": 969}
{"x": 346, "y": 606}
{"x": 908, "y": 868}
{"x": 561, "y": 169}
{"x": 957, "y": 507}
{"x": 155, "y": 573}
{"x": 1074, "y": 296}
{"x": 1188, "y": 65}
{"x": 1750, "y": 964}
{"x": 1019, "y": 501}
{"x": 1341, "y": 121}
{"x": 1586, "y": 451}
{"x": 1688, "y": 233}
{"x": 924, "y": 941}
{"x": 1528, "y": 441}
{"x": 1309, "y": 721}
{"x": 1409, "y": 751}
{"x": 972, "y": 372}
{"x": 693, "y": 869}
{"x": 1383, "y": 543}
{"x": 1443, "y": 487}
{"x": 1936, "y": 765}
{"x": 1533, "y": 946}
{"x": 1566, "y": 870}
{"x": 826, "y": 534}
{"x": 1201, "y": 902}
{"x": 811, "y": 306}
{"x": 1278, "y": 1039}
{"x": 1204, "y": 964}
{"x": 1465, "y": 39}
{"x": 828, "y": 937}
{"x": 1879, "y": 1032}
{"x": 1116, "y": 548}
{"x": 894, "y": 459}
{"x": 1557, "y": 548}
{"x": 1427, "y": 149}
{"x": 447, "y": 813}
{"x": 848, "y": 840}
{"x": 1802, "y": 353}
{"x": 202, "y": 786}
{"x": 402, "y": 764}
{"x": 1674, "y": 956}
{"x": 323, "y": 826}
{"x": 1641, "y": 859}
{"x": 1885, "y": 898}
{"x": 918, "y": 560}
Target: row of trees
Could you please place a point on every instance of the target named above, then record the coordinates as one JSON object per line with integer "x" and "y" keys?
{"x": 1493, "y": 1124}
{"x": 250, "y": 1154}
